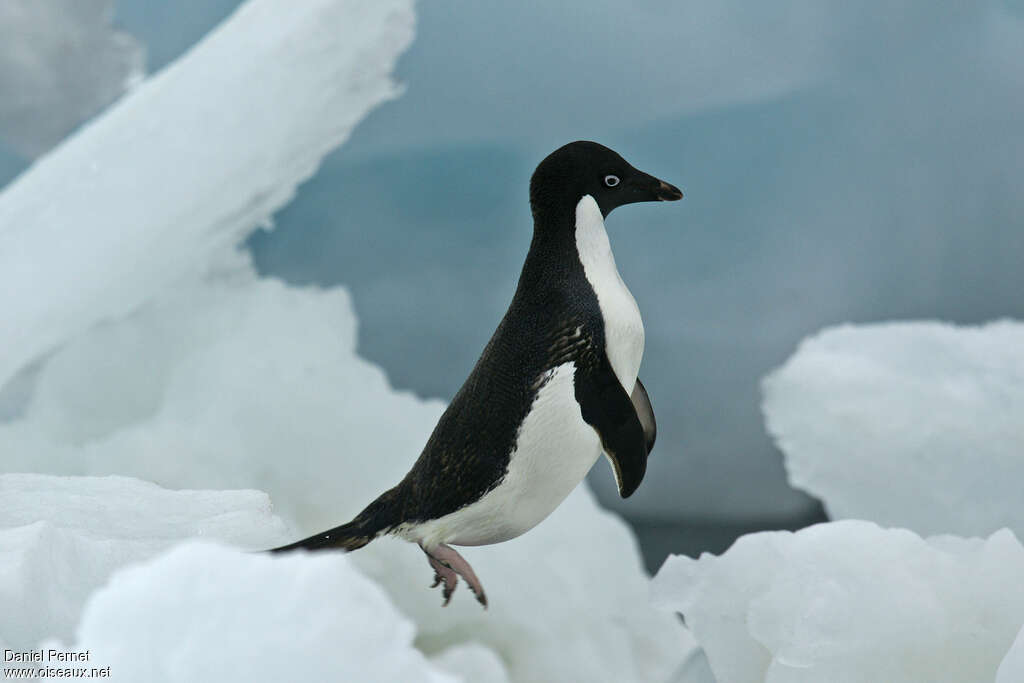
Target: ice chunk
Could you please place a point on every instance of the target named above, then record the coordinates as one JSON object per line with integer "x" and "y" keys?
{"x": 206, "y": 613}
{"x": 62, "y": 537}
{"x": 127, "y": 509}
{"x": 915, "y": 424}
{"x": 235, "y": 383}
{"x": 1012, "y": 668}
{"x": 171, "y": 177}
{"x": 850, "y": 602}
{"x": 61, "y": 61}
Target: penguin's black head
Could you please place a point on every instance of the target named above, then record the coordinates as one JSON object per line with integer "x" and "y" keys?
{"x": 587, "y": 168}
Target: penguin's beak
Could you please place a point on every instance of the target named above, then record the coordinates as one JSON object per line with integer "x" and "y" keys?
{"x": 666, "y": 192}
{"x": 647, "y": 188}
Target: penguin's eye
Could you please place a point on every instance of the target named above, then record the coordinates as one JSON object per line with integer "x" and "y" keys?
{"x": 611, "y": 180}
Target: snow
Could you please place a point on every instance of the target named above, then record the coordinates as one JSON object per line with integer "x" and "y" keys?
{"x": 159, "y": 188}
{"x": 849, "y": 602}
{"x": 122, "y": 508}
{"x": 226, "y": 383}
{"x": 220, "y": 614}
{"x": 61, "y": 61}
{"x": 62, "y": 537}
{"x": 170, "y": 361}
{"x": 914, "y": 424}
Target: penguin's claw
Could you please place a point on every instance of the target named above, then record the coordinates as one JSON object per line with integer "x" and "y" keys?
{"x": 448, "y": 565}
{"x": 443, "y": 573}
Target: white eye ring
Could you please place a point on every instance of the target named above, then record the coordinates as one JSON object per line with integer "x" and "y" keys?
{"x": 611, "y": 180}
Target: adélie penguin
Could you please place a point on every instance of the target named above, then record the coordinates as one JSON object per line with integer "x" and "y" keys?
{"x": 555, "y": 387}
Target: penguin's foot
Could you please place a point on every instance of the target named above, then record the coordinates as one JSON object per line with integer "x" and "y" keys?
{"x": 443, "y": 574}
{"x": 448, "y": 565}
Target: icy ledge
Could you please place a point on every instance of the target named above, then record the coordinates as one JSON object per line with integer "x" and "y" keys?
{"x": 851, "y": 602}
{"x": 911, "y": 424}
{"x": 85, "y": 562}
{"x": 62, "y": 537}
{"x": 93, "y": 552}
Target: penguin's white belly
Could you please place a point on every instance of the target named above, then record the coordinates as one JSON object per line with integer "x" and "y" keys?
{"x": 554, "y": 450}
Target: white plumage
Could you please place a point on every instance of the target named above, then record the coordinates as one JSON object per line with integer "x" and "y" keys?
{"x": 623, "y": 327}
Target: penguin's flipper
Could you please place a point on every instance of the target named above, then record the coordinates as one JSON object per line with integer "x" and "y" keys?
{"x": 644, "y": 411}
{"x": 608, "y": 409}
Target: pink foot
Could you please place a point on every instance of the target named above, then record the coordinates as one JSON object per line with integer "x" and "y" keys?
{"x": 445, "y": 574}
{"x": 448, "y": 565}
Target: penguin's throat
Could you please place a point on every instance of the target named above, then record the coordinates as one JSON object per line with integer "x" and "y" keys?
{"x": 623, "y": 326}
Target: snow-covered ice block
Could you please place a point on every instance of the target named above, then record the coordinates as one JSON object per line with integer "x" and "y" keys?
{"x": 62, "y": 537}
{"x": 913, "y": 424}
{"x": 170, "y": 178}
{"x": 208, "y": 614}
{"x": 234, "y": 383}
{"x": 131, "y": 510}
{"x": 850, "y": 602}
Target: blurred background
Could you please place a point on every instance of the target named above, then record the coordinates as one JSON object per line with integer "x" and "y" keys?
{"x": 840, "y": 163}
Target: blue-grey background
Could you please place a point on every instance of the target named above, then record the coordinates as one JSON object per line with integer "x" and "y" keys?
{"x": 841, "y": 162}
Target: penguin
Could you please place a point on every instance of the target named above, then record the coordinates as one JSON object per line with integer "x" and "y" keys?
{"x": 554, "y": 389}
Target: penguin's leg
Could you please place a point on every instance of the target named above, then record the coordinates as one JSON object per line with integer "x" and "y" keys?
{"x": 447, "y": 565}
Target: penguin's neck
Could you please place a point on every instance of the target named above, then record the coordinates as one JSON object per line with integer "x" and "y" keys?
{"x": 623, "y": 326}
{"x": 561, "y": 234}
{"x": 592, "y": 245}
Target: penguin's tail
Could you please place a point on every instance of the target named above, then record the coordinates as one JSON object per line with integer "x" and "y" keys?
{"x": 378, "y": 517}
{"x": 347, "y": 537}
